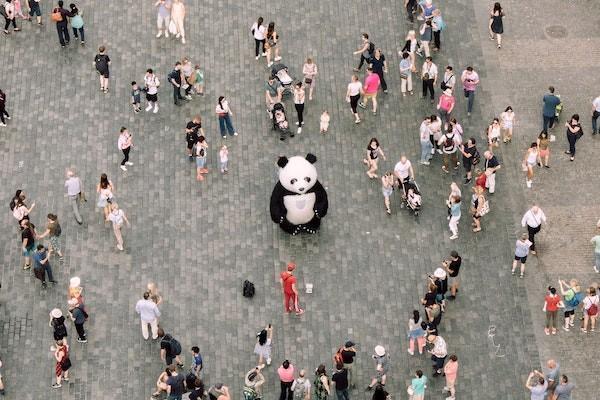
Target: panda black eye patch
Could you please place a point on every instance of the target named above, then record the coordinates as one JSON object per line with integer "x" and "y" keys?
{"x": 293, "y": 181}
{"x": 307, "y": 179}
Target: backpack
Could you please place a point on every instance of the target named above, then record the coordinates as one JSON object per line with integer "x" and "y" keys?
{"x": 3, "y": 11}
{"x": 249, "y": 393}
{"x": 58, "y": 230}
{"x": 300, "y": 390}
{"x": 571, "y": 298}
{"x": 449, "y": 143}
{"x": 337, "y": 358}
{"x": 371, "y": 49}
{"x": 476, "y": 157}
{"x": 248, "y": 289}
{"x": 18, "y": 213}
{"x": 593, "y": 310}
{"x": 174, "y": 344}
{"x": 77, "y": 22}
{"x": 56, "y": 16}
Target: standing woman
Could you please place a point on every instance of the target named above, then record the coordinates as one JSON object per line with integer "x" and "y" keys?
{"x": 544, "y": 148}
{"x": 152, "y": 83}
{"x": 355, "y": 89}
{"x": 477, "y": 207}
{"x": 28, "y": 242}
{"x": 63, "y": 363}
{"x": 258, "y": 31}
{"x": 574, "y": 132}
{"x": 370, "y": 160}
{"x": 224, "y": 113}
{"x": 379, "y": 66}
{"x": 590, "y": 309}
{"x": 493, "y": 134}
{"x": 117, "y": 217}
{"x": 57, "y": 323}
{"x": 415, "y": 333}
{"x": 200, "y": 151}
{"x": 262, "y": 348}
{"x": 177, "y": 16}
{"x": 438, "y": 25}
{"x": 53, "y": 231}
{"x": 106, "y": 192}
{"x": 125, "y": 143}
{"x": 321, "y": 383}
{"x": 77, "y": 23}
{"x": 552, "y": 303}
{"x": 272, "y": 49}
{"x": 426, "y": 32}
{"x": 506, "y": 125}
{"x": 387, "y": 187}
{"x": 531, "y": 158}
{"x": 309, "y": 70}
{"x": 496, "y": 26}
{"x": 406, "y": 68}
{"x": 454, "y": 216}
{"x": 410, "y": 47}
{"x": 3, "y": 112}
{"x": 299, "y": 103}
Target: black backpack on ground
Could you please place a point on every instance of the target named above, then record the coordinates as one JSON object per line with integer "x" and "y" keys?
{"x": 248, "y": 289}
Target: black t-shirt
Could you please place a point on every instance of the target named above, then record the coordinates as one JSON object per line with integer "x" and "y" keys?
{"x": 441, "y": 285}
{"x": 175, "y": 76}
{"x": 341, "y": 379}
{"x": 430, "y": 298}
{"x": 469, "y": 150}
{"x": 166, "y": 345}
{"x": 101, "y": 61}
{"x": 348, "y": 356}
{"x": 491, "y": 163}
{"x": 191, "y": 138}
{"x": 193, "y": 126}
{"x": 196, "y": 394}
{"x": 176, "y": 383}
{"x": 28, "y": 234}
{"x": 376, "y": 64}
{"x": 455, "y": 267}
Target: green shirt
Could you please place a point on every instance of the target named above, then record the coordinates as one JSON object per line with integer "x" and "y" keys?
{"x": 596, "y": 241}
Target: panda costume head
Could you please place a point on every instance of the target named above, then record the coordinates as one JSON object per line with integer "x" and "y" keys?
{"x": 298, "y": 201}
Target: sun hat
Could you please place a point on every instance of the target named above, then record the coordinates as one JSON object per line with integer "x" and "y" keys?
{"x": 56, "y": 313}
{"x": 439, "y": 273}
{"x": 380, "y": 350}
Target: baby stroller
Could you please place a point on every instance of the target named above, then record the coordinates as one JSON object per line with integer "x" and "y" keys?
{"x": 280, "y": 72}
{"x": 412, "y": 197}
{"x": 280, "y": 122}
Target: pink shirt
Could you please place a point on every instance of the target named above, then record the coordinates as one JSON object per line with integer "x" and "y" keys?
{"x": 286, "y": 375}
{"x": 471, "y": 80}
{"x": 371, "y": 84}
{"x": 451, "y": 370}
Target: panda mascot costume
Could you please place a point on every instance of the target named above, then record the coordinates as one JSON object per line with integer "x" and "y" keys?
{"x": 299, "y": 201}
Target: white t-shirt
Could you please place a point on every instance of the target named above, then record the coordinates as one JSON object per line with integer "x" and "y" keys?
{"x": 596, "y": 104}
{"x": 424, "y": 131}
{"x": 354, "y": 88}
{"x": 402, "y": 170}
{"x": 116, "y": 217}
{"x": 259, "y": 31}
{"x": 151, "y": 83}
{"x": 589, "y": 300}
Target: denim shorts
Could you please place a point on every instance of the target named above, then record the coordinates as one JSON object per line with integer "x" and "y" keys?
{"x": 200, "y": 162}
{"x": 34, "y": 8}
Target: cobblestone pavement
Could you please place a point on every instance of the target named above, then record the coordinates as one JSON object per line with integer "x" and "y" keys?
{"x": 200, "y": 241}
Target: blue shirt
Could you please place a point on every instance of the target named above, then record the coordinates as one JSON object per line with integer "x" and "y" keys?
{"x": 539, "y": 392}
{"x": 455, "y": 209}
{"x": 197, "y": 360}
{"x": 550, "y": 103}
{"x": 37, "y": 259}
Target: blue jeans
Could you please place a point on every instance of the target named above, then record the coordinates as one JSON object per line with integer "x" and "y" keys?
{"x": 81, "y": 33}
{"x": 342, "y": 394}
{"x": 470, "y": 94}
{"x": 226, "y": 122}
{"x": 426, "y": 147}
{"x": 595, "y": 116}
{"x": 176, "y": 94}
{"x": 63, "y": 32}
{"x": 548, "y": 122}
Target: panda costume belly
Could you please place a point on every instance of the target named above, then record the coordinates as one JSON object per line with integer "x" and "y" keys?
{"x": 300, "y": 208}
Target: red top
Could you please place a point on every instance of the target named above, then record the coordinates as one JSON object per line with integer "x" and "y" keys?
{"x": 288, "y": 280}
{"x": 552, "y": 303}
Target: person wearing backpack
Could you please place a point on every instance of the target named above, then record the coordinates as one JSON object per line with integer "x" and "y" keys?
{"x": 60, "y": 15}
{"x": 301, "y": 387}
{"x": 366, "y": 51}
{"x": 590, "y": 310}
{"x": 572, "y": 298}
{"x": 102, "y": 64}
{"x": 77, "y": 23}
{"x": 449, "y": 144}
{"x": 170, "y": 348}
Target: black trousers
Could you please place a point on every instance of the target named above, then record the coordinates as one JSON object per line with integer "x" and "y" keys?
{"x": 532, "y": 232}
{"x": 3, "y": 113}
{"x": 300, "y": 111}
{"x": 428, "y": 85}
{"x": 437, "y": 40}
{"x": 381, "y": 79}
{"x": 257, "y": 44}
{"x": 126, "y": 154}
{"x": 177, "y": 94}
{"x": 80, "y": 331}
{"x": 572, "y": 140}
{"x": 63, "y": 32}
{"x": 7, "y": 22}
{"x": 286, "y": 391}
{"x": 362, "y": 61}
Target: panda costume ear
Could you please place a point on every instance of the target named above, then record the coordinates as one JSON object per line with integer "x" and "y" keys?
{"x": 282, "y": 162}
{"x": 311, "y": 158}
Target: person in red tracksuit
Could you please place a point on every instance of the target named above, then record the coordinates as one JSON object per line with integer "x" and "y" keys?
{"x": 290, "y": 292}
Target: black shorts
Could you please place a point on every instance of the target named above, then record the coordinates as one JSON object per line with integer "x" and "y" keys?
{"x": 152, "y": 97}
{"x": 467, "y": 164}
{"x": 569, "y": 313}
{"x": 190, "y": 145}
{"x": 522, "y": 259}
{"x": 104, "y": 73}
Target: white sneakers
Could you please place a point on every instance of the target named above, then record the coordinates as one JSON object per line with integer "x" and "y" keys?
{"x": 124, "y": 168}
{"x": 149, "y": 107}
{"x": 183, "y": 40}
{"x": 235, "y": 133}
{"x": 453, "y": 237}
{"x": 2, "y": 124}
{"x": 277, "y": 58}
{"x": 155, "y": 108}
{"x": 159, "y": 34}
{"x": 528, "y": 183}
{"x": 129, "y": 163}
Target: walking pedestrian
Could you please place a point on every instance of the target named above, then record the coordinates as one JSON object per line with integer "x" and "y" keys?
{"x": 301, "y": 386}
{"x": 355, "y": 89}
{"x": 187, "y": 83}
{"x": 197, "y": 362}
{"x": 321, "y": 383}
{"x": 382, "y": 367}
{"x": 79, "y": 316}
{"x": 136, "y": 97}
{"x": 372, "y": 157}
{"x": 198, "y": 79}
{"x": 470, "y": 80}
{"x": 470, "y": 157}
{"x": 57, "y": 323}
{"x": 595, "y": 114}
{"x": 550, "y": 102}
{"x": 34, "y": 9}
{"x": 415, "y": 333}
{"x": 536, "y": 386}
{"x": 533, "y": 220}
{"x": 53, "y": 231}
{"x": 19, "y": 209}
{"x": 406, "y": 68}
{"x": 106, "y": 195}
{"x": 424, "y": 138}
{"x": 149, "y": 313}
{"x": 174, "y": 78}
{"x": 445, "y": 105}
{"x": 449, "y": 144}
{"x": 102, "y": 64}
{"x": 175, "y": 383}
{"x": 286, "y": 379}
{"x": 429, "y": 74}
{"x": 403, "y": 170}
{"x": 223, "y": 159}
{"x": 417, "y": 387}
{"x": 272, "y": 38}
{"x": 544, "y": 148}
{"x": 366, "y": 50}
{"x": 310, "y": 72}
{"x": 60, "y": 16}
{"x": 439, "y": 352}
{"x": 596, "y": 241}
{"x": 163, "y": 17}
{"x": 151, "y": 83}
{"x": 552, "y": 303}
{"x": 118, "y": 217}
{"x": 590, "y": 310}
{"x": 496, "y": 26}
{"x": 387, "y": 188}
{"x": 379, "y": 66}
{"x": 493, "y": 134}
{"x": 507, "y": 120}
{"x": 262, "y": 348}
{"x": 74, "y": 190}
{"x": 574, "y": 133}
{"x": 437, "y": 26}
{"x": 41, "y": 266}
{"x": 178, "y": 16}
{"x": 170, "y": 348}
{"x": 259, "y": 31}
{"x": 491, "y": 165}
{"x": 63, "y": 363}
{"x": 573, "y": 296}
{"x": 201, "y": 151}
{"x": 299, "y": 95}
{"x": 27, "y": 241}
{"x": 370, "y": 88}
{"x": 9, "y": 16}
{"x": 273, "y": 93}
{"x": 426, "y": 32}
{"x": 521, "y": 251}
{"x": 125, "y": 143}
{"x": 564, "y": 389}
{"x": 224, "y": 113}
{"x": 530, "y": 160}
{"x": 449, "y": 80}
{"x": 3, "y": 112}
{"x": 77, "y": 23}
{"x": 290, "y": 291}
{"x": 340, "y": 378}
{"x": 454, "y": 216}
{"x": 451, "y": 372}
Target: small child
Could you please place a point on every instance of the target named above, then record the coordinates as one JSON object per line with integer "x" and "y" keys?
{"x": 199, "y": 81}
{"x": 136, "y": 97}
{"x": 324, "y": 122}
{"x": 223, "y": 159}
{"x": 196, "y": 361}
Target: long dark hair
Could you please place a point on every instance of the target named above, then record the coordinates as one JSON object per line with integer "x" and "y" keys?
{"x": 259, "y": 22}
{"x": 262, "y": 337}
{"x": 416, "y": 316}
{"x": 497, "y": 7}
{"x": 104, "y": 181}
{"x": 321, "y": 370}
{"x": 371, "y": 141}
{"x": 221, "y": 98}
{"x": 270, "y": 29}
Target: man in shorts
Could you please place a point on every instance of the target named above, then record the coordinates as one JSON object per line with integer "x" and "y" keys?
{"x": 470, "y": 157}
{"x": 370, "y": 88}
{"x": 404, "y": 172}
{"x": 521, "y": 251}
{"x": 452, "y": 266}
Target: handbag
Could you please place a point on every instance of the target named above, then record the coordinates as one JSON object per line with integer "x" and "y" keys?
{"x": 410, "y": 391}
{"x": 65, "y": 364}
{"x": 308, "y": 81}
{"x": 403, "y": 75}
{"x": 56, "y": 16}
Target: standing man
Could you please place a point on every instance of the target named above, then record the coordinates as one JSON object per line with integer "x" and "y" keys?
{"x": 175, "y": 78}
{"x": 62, "y": 24}
{"x": 370, "y": 88}
{"x": 286, "y": 379}
{"x": 491, "y": 166}
{"x": 340, "y": 377}
{"x": 348, "y": 353}
{"x": 550, "y": 101}
{"x": 149, "y": 313}
{"x": 595, "y": 114}
{"x": 273, "y": 93}
{"x": 125, "y": 143}
{"x": 290, "y": 291}
{"x": 533, "y": 219}
{"x": 470, "y": 80}
{"x": 74, "y": 193}
{"x": 175, "y": 384}
{"x": 424, "y": 138}
{"x": 538, "y": 392}
{"x": 449, "y": 143}
{"x": 564, "y": 389}
{"x": 438, "y": 353}
{"x": 452, "y": 266}
{"x": 78, "y": 316}
{"x": 429, "y": 74}
{"x": 382, "y": 367}
{"x": 366, "y": 50}
{"x": 41, "y": 265}
{"x": 470, "y": 158}
{"x": 170, "y": 348}
{"x": 191, "y": 134}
